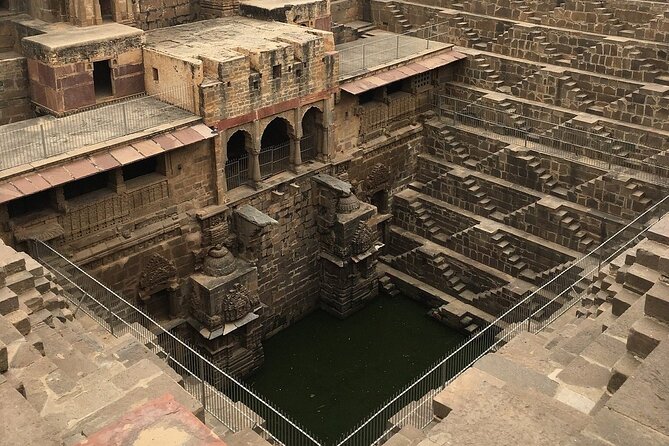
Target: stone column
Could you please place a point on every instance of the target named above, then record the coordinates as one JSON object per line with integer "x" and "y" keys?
{"x": 254, "y": 158}
{"x": 219, "y": 157}
{"x": 296, "y": 147}
{"x": 328, "y": 146}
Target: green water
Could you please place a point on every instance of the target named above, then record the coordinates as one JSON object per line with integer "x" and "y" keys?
{"x": 328, "y": 374}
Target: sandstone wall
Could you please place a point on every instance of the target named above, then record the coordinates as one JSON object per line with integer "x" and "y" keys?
{"x": 344, "y": 11}
{"x": 305, "y": 69}
{"x": 152, "y": 14}
{"x": 14, "y": 91}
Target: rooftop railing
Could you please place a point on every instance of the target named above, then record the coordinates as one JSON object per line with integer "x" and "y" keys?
{"x": 356, "y": 57}
{"x": 36, "y": 139}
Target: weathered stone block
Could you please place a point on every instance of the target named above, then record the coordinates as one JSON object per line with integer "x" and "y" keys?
{"x": 657, "y": 301}
{"x": 644, "y": 335}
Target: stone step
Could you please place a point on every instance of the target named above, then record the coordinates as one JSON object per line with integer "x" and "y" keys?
{"x": 585, "y": 384}
{"x": 20, "y": 423}
{"x": 9, "y": 301}
{"x": 130, "y": 351}
{"x": 20, "y": 281}
{"x": 644, "y": 335}
{"x": 71, "y": 361}
{"x": 643, "y": 397}
{"x": 466, "y": 402}
{"x": 246, "y": 437}
{"x": 514, "y": 374}
{"x": 128, "y": 389}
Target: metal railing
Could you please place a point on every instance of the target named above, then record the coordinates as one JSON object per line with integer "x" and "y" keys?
{"x": 413, "y": 405}
{"x": 362, "y": 55}
{"x": 21, "y": 143}
{"x": 236, "y": 172}
{"x": 557, "y": 138}
{"x": 308, "y": 147}
{"x": 221, "y": 395}
{"x": 274, "y": 159}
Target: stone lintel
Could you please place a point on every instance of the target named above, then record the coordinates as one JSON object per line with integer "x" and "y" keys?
{"x": 342, "y": 188}
{"x": 332, "y": 259}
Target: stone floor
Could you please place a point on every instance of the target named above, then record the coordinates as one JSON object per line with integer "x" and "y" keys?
{"x": 43, "y": 137}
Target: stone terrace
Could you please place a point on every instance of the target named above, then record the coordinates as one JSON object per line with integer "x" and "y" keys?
{"x": 596, "y": 376}
{"x": 65, "y": 380}
{"x": 381, "y": 50}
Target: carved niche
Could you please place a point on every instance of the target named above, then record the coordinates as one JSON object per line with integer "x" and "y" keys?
{"x": 158, "y": 274}
{"x": 363, "y": 239}
{"x": 377, "y": 179}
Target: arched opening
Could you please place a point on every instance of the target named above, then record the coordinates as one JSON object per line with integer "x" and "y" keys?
{"x": 314, "y": 133}
{"x": 380, "y": 200}
{"x": 275, "y": 146}
{"x": 237, "y": 165}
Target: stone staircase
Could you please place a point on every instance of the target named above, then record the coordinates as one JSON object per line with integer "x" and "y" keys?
{"x": 481, "y": 200}
{"x": 402, "y": 23}
{"x": 491, "y": 79}
{"x": 67, "y": 376}
{"x": 517, "y": 121}
{"x": 426, "y": 226}
{"x": 471, "y": 36}
{"x": 518, "y": 268}
{"x": 432, "y": 266}
{"x": 595, "y": 376}
{"x": 569, "y": 222}
{"x": 545, "y": 180}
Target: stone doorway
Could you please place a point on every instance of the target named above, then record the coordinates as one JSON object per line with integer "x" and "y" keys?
{"x": 313, "y": 131}
{"x": 106, "y": 10}
{"x": 158, "y": 305}
{"x": 102, "y": 79}
{"x": 380, "y": 200}
{"x": 237, "y": 165}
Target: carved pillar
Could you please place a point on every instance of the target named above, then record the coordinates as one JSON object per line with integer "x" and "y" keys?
{"x": 220, "y": 157}
{"x": 348, "y": 247}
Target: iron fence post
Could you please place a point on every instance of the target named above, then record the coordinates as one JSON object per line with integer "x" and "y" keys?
{"x": 363, "y": 56}
{"x": 202, "y": 382}
{"x": 125, "y": 118}
{"x": 111, "y": 321}
{"x": 43, "y": 135}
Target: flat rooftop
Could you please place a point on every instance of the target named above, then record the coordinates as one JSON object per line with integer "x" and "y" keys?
{"x": 226, "y": 38}
{"x": 276, "y": 4}
{"x": 60, "y": 36}
{"x": 41, "y": 138}
{"x": 381, "y": 51}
